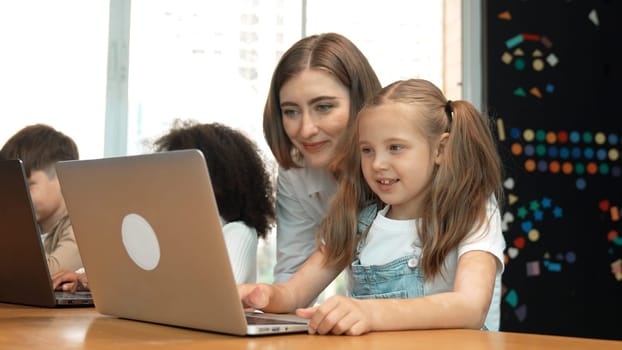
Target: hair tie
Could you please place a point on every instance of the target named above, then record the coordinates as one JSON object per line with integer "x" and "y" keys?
{"x": 449, "y": 111}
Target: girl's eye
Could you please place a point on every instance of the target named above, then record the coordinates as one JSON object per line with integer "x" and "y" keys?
{"x": 395, "y": 147}
{"x": 365, "y": 150}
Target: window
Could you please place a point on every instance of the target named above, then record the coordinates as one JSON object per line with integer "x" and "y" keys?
{"x": 204, "y": 60}
{"x": 53, "y": 68}
{"x": 212, "y": 61}
{"x": 194, "y": 59}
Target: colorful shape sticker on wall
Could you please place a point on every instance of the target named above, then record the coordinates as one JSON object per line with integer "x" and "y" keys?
{"x": 505, "y": 15}
{"x": 511, "y": 298}
{"x": 540, "y": 57}
{"x": 528, "y": 215}
{"x": 593, "y": 16}
{"x": 614, "y": 237}
{"x": 584, "y": 154}
{"x": 580, "y": 153}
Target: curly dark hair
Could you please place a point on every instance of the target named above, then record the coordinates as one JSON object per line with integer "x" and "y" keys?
{"x": 242, "y": 184}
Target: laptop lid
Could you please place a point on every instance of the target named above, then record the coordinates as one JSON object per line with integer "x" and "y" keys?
{"x": 24, "y": 273}
{"x": 151, "y": 241}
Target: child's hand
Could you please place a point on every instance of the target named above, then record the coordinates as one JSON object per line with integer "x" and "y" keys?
{"x": 69, "y": 281}
{"x": 337, "y": 315}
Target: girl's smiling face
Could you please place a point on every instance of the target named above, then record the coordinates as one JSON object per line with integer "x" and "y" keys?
{"x": 397, "y": 160}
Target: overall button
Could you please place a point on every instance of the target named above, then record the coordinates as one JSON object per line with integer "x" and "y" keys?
{"x": 412, "y": 263}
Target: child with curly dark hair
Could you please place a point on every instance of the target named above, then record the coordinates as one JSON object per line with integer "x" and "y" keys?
{"x": 242, "y": 187}
{"x": 228, "y": 152}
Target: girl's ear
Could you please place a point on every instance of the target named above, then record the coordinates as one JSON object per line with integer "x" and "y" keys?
{"x": 440, "y": 148}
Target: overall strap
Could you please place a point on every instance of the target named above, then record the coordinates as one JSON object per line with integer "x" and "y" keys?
{"x": 366, "y": 217}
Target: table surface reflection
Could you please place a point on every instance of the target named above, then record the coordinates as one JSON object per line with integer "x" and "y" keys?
{"x": 85, "y": 328}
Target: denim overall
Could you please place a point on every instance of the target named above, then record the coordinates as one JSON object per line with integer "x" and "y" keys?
{"x": 399, "y": 279}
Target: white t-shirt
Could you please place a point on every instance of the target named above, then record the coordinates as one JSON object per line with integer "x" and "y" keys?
{"x": 241, "y": 242}
{"x": 390, "y": 239}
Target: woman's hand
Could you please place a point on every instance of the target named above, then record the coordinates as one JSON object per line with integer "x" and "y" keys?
{"x": 254, "y": 296}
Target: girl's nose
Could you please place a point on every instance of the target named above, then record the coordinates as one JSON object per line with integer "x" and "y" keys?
{"x": 380, "y": 162}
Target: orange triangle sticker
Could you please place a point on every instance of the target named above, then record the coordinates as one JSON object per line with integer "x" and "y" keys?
{"x": 505, "y": 15}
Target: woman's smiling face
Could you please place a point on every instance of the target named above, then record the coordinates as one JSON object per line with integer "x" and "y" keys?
{"x": 315, "y": 108}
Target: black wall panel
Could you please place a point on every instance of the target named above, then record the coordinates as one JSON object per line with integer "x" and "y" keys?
{"x": 553, "y": 84}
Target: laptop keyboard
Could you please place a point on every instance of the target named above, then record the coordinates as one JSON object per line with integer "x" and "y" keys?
{"x": 258, "y": 319}
{"x": 80, "y": 295}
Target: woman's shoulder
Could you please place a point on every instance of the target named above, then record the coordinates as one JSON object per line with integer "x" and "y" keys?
{"x": 303, "y": 171}
{"x": 306, "y": 178}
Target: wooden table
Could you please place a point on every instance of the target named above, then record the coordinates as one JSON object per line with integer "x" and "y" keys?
{"x": 24, "y": 327}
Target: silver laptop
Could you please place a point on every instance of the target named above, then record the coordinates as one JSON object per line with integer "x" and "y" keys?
{"x": 150, "y": 238}
{"x": 24, "y": 274}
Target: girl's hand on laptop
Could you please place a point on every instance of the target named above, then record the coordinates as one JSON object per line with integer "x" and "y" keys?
{"x": 69, "y": 281}
{"x": 337, "y": 315}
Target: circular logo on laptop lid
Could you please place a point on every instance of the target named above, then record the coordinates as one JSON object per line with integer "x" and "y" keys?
{"x": 140, "y": 241}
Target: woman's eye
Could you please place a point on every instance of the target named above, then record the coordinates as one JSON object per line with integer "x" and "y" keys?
{"x": 290, "y": 113}
{"x": 325, "y": 107}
